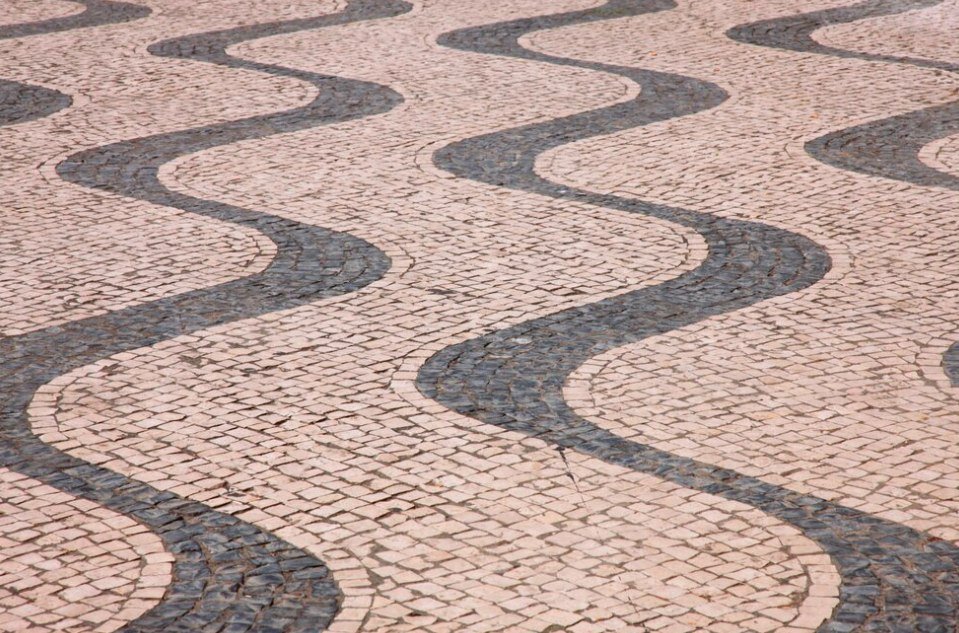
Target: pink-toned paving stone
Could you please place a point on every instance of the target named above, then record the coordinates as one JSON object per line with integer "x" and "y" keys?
{"x": 101, "y": 257}
{"x": 926, "y": 32}
{"x": 70, "y": 252}
{"x": 310, "y": 396}
{"x": 68, "y": 565}
{"x": 942, "y": 155}
{"x": 20, "y": 11}
{"x": 306, "y": 422}
{"x": 821, "y": 391}
{"x": 488, "y": 529}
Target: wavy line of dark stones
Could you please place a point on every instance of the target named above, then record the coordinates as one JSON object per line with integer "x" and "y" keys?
{"x": 893, "y": 578}
{"x": 794, "y": 32}
{"x": 889, "y": 147}
{"x": 95, "y": 13}
{"x": 20, "y": 102}
{"x": 950, "y": 364}
{"x": 228, "y": 575}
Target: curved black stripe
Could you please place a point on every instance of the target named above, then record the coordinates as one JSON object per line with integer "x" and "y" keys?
{"x": 95, "y": 13}
{"x": 229, "y": 576}
{"x": 950, "y": 364}
{"x": 21, "y": 102}
{"x": 893, "y": 577}
{"x": 794, "y": 32}
{"x": 888, "y": 148}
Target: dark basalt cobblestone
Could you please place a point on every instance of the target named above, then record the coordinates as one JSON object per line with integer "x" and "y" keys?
{"x": 893, "y": 578}
{"x": 229, "y": 576}
{"x": 21, "y": 102}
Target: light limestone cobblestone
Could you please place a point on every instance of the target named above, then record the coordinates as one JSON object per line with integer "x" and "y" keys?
{"x": 942, "y": 155}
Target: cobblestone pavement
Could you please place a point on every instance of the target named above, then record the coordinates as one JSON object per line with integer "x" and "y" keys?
{"x": 434, "y": 315}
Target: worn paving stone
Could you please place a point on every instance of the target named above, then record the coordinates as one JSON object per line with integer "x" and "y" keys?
{"x": 585, "y": 317}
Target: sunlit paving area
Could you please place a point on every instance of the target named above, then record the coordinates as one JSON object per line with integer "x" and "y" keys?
{"x": 472, "y": 316}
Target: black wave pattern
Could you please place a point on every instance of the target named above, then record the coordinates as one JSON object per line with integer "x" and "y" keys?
{"x": 893, "y": 578}
{"x": 20, "y": 102}
{"x": 887, "y": 147}
{"x": 95, "y": 13}
{"x": 950, "y": 364}
{"x": 794, "y": 32}
{"x": 229, "y": 576}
